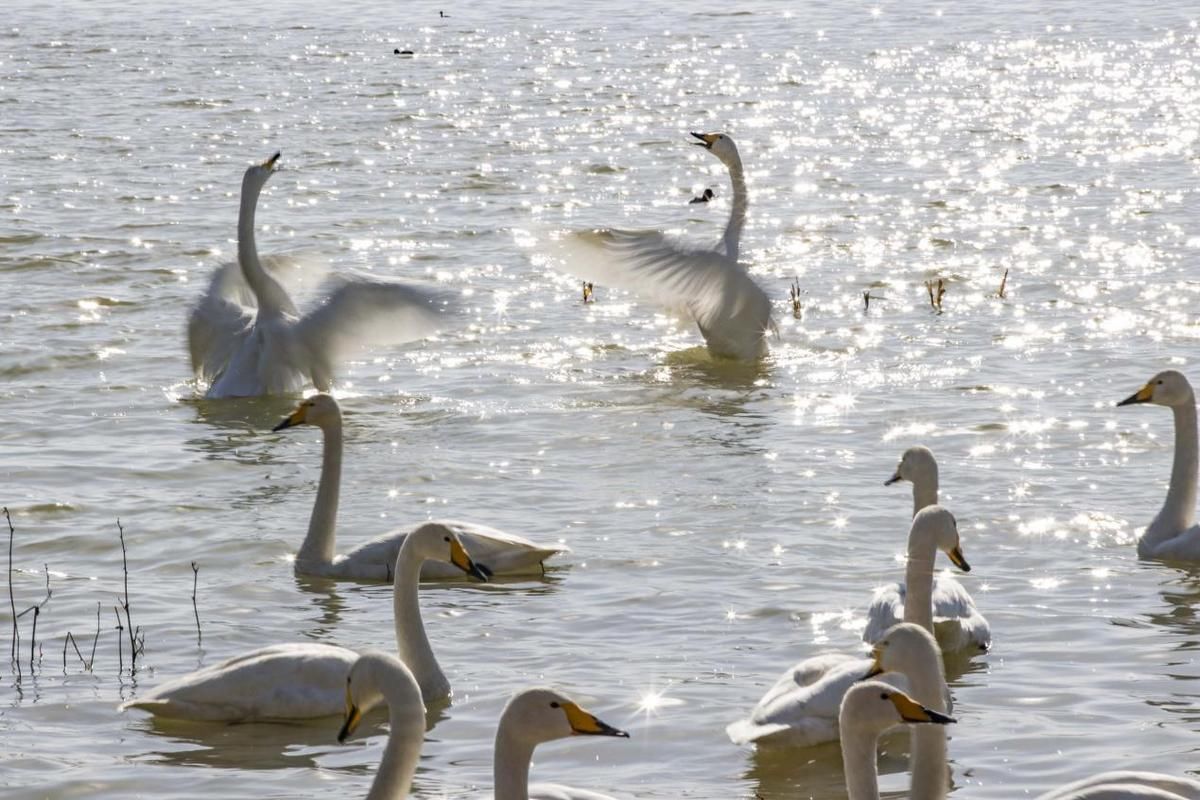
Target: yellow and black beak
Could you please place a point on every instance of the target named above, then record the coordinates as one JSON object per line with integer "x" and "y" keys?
{"x": 270, "y": 162}
{"x": 584, "y": 724}
{"x": 1142, "y": 395}
{"x": 461, "y": 559}
{"x": 912, "y": 711}
{"x": 353, "y": 717}
{"x": 706, "y": 139}
{"x": 876, "y": 664}
{"x": 297, "y": 417}
{"x": 958, "y": 559}
{"x": 894, "y": 479}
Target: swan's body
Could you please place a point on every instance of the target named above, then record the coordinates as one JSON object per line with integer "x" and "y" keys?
{"x": 375, "y": 678}
{"x": 1174, "y": 534}
{"x": 532, "y": 717}
{"x": 801, "y": 709}
{"x": 956, "y": 621}
{"x": 706, "y": 286}
{"x": 500, "y": 553}
{"x": 1126, "y": 785}
{"x": 246, "y": 336}
{"x": 307, "y": 680}
{"x": 867, "y": 711}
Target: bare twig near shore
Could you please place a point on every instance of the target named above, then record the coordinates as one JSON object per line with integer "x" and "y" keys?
{"x": 195, "y": 608}
{"x": 1003, "y": 283}
{"x": 120, "y": 640}
{"x": 137, "y": 643}
{"x": 936, "y": 292}
{"x": 12, "y": 602}
{"x": 794, "y": 296}
{"x": 37, "y": 611}
{"x": 87, "y": 662}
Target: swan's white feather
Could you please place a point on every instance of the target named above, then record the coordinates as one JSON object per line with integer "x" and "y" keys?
{"x": 554, "y": 791}
{"x": 1127, "y": 785}
{"x": 957, "y": 623}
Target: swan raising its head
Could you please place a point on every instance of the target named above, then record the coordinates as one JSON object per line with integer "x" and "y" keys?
{"x": 246, "y": 343}
{"x": 531, "y": 718}
{"x": 707, "y": 286}
{"x": 501, "y": 553}
{"x": 1173, "y": 534}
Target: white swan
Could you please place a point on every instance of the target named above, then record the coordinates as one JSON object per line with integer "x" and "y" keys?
{"x": 494, "y": 551}
{"x": 707, "y": 286}
{"x": 801, "y": 709}
{"x": 868, "y": 710}
{"x": 1128, "y": 785}
{"x": 307, "y": 680}
{"x": 252, "y": 343}
{"x": 532, "y": 717}
{"x": 376, "y": 678}
{"x": 1173, "y": 534}
{"x": 950, "y": 612}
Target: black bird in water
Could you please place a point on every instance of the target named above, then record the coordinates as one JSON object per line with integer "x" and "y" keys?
{"x": 709, "y": 194}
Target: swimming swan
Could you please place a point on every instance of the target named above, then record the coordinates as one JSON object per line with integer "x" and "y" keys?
{"x": 307, "y": 680}
{"x": 707, "y": 286}
{"x": 498, "y": 552}
{"x": 532, "y": 717}
{"x": 955, "y": 620}
{"x": 252, "y": 343}
{"x": 869, "y": 710}
{"x": 1173, "y": 534}
{"x": 801, "y": 709}
{"x": 1128, "y": 785}
{"x": 380, "y": 677}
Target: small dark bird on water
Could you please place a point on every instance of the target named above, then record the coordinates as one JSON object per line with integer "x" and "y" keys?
{"x": 443, "y": 15}
{"x": 400, "y": 52}
{"x": 709, "y": 194}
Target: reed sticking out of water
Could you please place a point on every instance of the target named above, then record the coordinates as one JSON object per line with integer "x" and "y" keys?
{"x": 195, "y": 609}
{"x": 12, "y": 601}
{"x": 87, "y": 662}
{"x": 37, "y": 611}
{"x": 936, "y": 292}
{"x": 1003, "y": 283}
{"x": 794, "y": 296}
{"x": 137, "y": 640}
{"x": 588, "y": 292}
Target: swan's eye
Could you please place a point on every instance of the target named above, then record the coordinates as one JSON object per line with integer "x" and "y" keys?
{"x": 883, "y": 695}
{"x": 447, "y": 539}
{"x": 554, "y": 704}
{"x": 1160, "y": 383}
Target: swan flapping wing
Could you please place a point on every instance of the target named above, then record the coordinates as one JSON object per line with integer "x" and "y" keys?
{"x": 704, "y": 285}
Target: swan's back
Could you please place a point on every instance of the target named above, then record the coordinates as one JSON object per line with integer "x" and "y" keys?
{"x": 1128, "y": 785}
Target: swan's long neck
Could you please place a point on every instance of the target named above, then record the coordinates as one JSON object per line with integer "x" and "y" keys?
{"x": 1179, "y": 511}
{"x": 321, "y": 538}
{"x": 510, "y": 771}
{"x": 737, "y": 215}
{"x": 930, "y": 778}
{"x": 272, "y": 299}
{"x": 411, "y": 640}
{"x": 918, "y": 584}
{"x": 402, "y": 752}
{"x": 858, "y": 762}
{"x": 925, "y": 493}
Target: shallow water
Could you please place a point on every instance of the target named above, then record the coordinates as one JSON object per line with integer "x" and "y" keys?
{"x": 724, "y": 521}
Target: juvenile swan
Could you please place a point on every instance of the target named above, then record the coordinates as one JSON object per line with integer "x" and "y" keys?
{"x": 307, "y": 680}
{"x": 495, "y": 551}
{"x": 801, "y": 709}
{"x": 868, "y": 710}
{"x": 532, "y": 717}
{"x": 375, "y": 678}
{"x": 252, "y": 343}
{"x": 940, "y": 605}
{"x": 1173, "y": 534}
{"x": 707, "y": 286}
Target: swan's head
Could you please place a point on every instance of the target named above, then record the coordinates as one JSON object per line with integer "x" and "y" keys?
{"x": 1167, "y": 388}
{"x": 934, "y": 525}
{"x": 320, "y": 410}
{"x": 917, "y": 466}
{"x": 437, "y": 541}
{"x": 257, "y": 175}
{"x": 543, "y": 715}
{"x": 720, "y": 145}
{"x": 365, "y": 689}
{"x": 874, "y": 706}
{"x": 908, "y": 649}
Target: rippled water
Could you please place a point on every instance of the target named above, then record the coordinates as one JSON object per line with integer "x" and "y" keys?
{"x": 725, "y": 522}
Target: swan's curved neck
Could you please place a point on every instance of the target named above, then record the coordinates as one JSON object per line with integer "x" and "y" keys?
{"x": 272, "y": 299}
{"x": 1179, "y": 510}
{"x": 510, "y": 771}
{"x": 737, "y": 215}
{"x": 930, "y": 779}
{"x": 321, "y": 538}
{"x": 411, "y": 640}
{"x": 403, "y": 750}
{"x": 925, "y": 493}
{"x": 858, "y": 762}
{"x": 918, "y": 583}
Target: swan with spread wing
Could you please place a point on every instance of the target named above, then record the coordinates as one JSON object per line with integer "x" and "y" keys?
{"x": 705, "y": 285}
{"x": 247, "y": 338}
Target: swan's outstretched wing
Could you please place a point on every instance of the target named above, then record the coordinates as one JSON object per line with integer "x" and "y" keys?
{"x": 1126, "y": 784}
{"x": 219, "y": 322}
{"x": 703, "y": 285}
{"x": 364, "y": 311}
